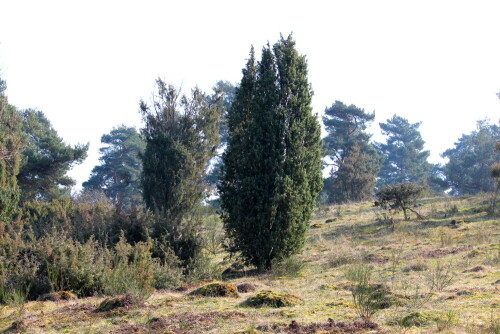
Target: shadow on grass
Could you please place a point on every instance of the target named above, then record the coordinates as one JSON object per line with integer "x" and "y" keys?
{"x": 232, "y": 273}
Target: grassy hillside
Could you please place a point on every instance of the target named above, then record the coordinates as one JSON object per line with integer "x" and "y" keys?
{"x": 437, "y": 274}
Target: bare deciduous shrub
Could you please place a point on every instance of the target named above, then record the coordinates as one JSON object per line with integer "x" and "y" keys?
{"x": 440, "y": 276}
{"x": 368, "y": 298}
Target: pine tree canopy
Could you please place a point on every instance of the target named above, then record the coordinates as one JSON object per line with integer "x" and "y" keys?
{"x": 46, "y": 159}
{"x": 346, "y": 127}
{"x": 118, "y": 175}
{"x": 347, "y": 145}
{"x": 469, "y": 162}
{"x": 404, "y": 157}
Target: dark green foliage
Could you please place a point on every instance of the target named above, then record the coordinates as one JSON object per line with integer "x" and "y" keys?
{"x": 45, "y": 160}
{"x": 10, "y": 154}
{"x": 118, "y": 176}
{"x": 347, "y": 144}
{"x": 400, "y": 196}
{"x": 346, "y": 127}
{"x": 272, "y": 165}
{"x": 495, "y": 175}
{"x": 404, "y": 157}
{"x": 354, "y": 179}
{"x": 181, "y": 136}
{"x": 355, "y": 161}
{"x": 469, "y": 162}
{"x": 437, "y": 182}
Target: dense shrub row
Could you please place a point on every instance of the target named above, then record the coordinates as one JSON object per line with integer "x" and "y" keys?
{"x": 94, "y": 248}
{"x": 81, "y": 221}
{"x": 31, "y": 267}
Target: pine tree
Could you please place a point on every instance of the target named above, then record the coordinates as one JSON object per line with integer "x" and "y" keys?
{"x": 10, "y": 156}
{"x": 468, "y": 168}
{"x": 46, "y": 159}
{"x": 118, "y": 175}
{"x": 227, "y": 90}
{"x": 272, "y": 165}
{"x": 404, "y": 157}
{"x": 354, "y": 180}
{"x": 347, "y": 140}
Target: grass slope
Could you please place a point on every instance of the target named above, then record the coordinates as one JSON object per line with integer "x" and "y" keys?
{"x": 445, "y": 276}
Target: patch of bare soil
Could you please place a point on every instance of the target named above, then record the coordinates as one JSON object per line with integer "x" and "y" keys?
{"x": 189, "y": 322}
{"x": 330, "y": 326}
{"x": 436, "y": 253}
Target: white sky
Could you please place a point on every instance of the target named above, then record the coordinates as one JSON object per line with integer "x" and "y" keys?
{"x": 86, "y": 64}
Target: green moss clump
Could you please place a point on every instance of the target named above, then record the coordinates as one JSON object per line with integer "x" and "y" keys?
{"x": 475, "y": 253}
{"x": 273, "y": 299}
{"x": 112, "y": 303}
{"x": 415, "y": 319}
{"x": 217, "y": 289}
{"x": 57, "y": 296}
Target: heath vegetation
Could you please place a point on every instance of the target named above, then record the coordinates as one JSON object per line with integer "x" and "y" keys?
{"x": 214, "y": 218}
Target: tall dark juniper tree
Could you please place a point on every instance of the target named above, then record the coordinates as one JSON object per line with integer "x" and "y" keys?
{"x": 181, "y": 135}
{"x": 354, "y": 159}
{"x": 272, "y": 166}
